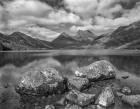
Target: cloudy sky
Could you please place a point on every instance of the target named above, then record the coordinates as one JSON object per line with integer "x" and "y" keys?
{"x": 48, "y": 18}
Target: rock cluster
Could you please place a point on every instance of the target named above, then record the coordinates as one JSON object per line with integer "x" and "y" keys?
{"x": 48, "y": 82}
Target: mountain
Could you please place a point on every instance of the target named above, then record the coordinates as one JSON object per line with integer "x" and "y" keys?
{"x": 64, "y": 41}
{"x": 125, "y": 37}
{"x": 37, "y": 31}
{"x": 81, "y": 40}
{"x": 20, "y": 41}
{"x": 85, "y": 36}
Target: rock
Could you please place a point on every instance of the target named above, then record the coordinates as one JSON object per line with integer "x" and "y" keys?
{"x": 78, "y": 83}
{"x": 61, "y": 102}
{"x": 133, "y": 100}
{"x": 99, "y": 70}
{"x": 79, "y": 98}
{"x": 106, "y": 98}
{"x": 125, "y": 77}
{"x": 42, "y": 82}
{"x": 49, "y": 107}
{"x": 91, "y": 107}
{"x": 126, "y": 90}
{"x": 69, "y": 106}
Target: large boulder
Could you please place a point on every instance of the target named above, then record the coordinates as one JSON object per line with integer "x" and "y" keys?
{"x": 79, "y": 98}
{"x": 78, "y": 83}
{"x": 43, "y": 82}
{"x": 99, "y": 70}
{"x": 106, "y": 98}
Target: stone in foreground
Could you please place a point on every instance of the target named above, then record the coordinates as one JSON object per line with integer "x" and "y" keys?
{"x": 44, "y": 82}
{"x": 126, "y": 90}
{"x": 133, "y": 100}
{"x": 49, "y": 107}
{"x": 106, "y": 98}
{"x": 99, "y": 70}
{"x": 69, "y": 106}
{"x": 78, "y": 83}
{"x": 79, "y": 98}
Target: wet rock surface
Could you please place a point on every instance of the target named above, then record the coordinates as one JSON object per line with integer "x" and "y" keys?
{"x": 91, "y": 87}
{"x": 132, "y": 100}
{"x": 69, "y": 106}
{"x": 78, "y": 83}
{"x": 126, "y": 90}
{"x": 49, "y": 107}
{"x": 79, "y": 98}
{"x": 42, "y": 82}
{"x": 99, "y": 70}
{"x": 106, "y": 98}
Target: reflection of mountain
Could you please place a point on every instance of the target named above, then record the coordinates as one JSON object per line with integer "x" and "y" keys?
{"x": 126, "y": 37}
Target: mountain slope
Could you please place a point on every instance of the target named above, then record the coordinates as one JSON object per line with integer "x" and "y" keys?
{"x": 20, "y": 41}
{"x": 85, "y": 36}
{"x": 131, "y": 45}
{"x": 124, "y": 35}
{"x": 23, "y": 39}
{"x": 64, "y": 41}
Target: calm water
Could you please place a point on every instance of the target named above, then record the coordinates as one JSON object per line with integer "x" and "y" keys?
{"x": 14, "y": 64}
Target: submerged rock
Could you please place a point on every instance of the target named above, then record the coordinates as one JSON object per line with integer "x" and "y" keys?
{"x": 49, "y": 107}
{"x": 99, "y": 70}
{"x": 61, "y": 102}
{"x": 106, "y": 98}
{"x": 42, "y": 82}
{"x": 79, "y": 98}
{"x": 133, "y": 100}
{"x": 126, "y": 90}
{"x": 78, "y": 83}
{"x": 69, "y": 106}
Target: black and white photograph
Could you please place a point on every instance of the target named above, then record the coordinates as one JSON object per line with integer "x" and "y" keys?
{"x": 69, "y": 54}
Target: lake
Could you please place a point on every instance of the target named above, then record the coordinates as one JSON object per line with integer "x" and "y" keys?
{"x": 14, "y": 64}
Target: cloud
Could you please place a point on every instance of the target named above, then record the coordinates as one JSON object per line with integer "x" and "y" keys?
{"x": 58, "y": 15}
{"x": 54, "y": 3}
{"x": 28, "y": 8}
{"x": 106, "y": 15}
{"x": 82, "y": 7}
{"x": 42, "y": 32}
{"x": 33, "y": 12}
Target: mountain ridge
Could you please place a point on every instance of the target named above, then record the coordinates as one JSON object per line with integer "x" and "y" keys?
{"x": 125, "y": 37}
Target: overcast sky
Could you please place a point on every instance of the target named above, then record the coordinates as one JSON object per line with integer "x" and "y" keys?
{"x": 51, "y": 17}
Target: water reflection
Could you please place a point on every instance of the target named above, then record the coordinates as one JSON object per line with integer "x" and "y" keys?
{"x": 13, "y": 65}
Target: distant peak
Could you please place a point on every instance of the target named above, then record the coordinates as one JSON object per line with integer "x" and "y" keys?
{"x": 64, "y": 34}
{"x": 17, "y": 33}
{"x": 85, "y": 31}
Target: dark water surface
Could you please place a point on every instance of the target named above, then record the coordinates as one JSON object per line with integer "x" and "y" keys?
{"x": 14, "y": 64}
